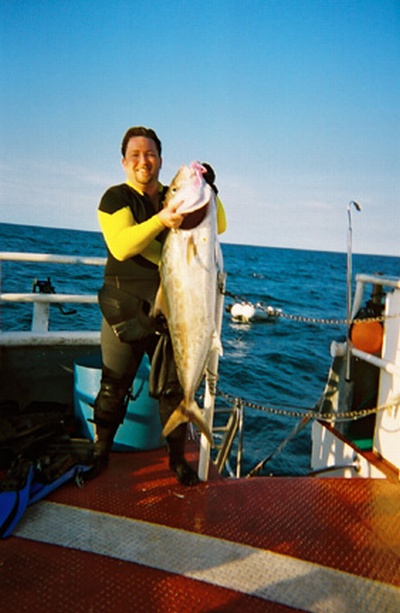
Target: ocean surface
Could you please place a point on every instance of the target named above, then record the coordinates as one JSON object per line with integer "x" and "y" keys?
{"x": 277, "y": 363}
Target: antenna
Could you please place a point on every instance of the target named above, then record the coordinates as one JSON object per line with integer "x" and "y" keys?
{"x": 349, "y": 278}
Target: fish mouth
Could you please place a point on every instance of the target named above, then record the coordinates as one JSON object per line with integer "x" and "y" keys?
{"x": 192, "y": 220}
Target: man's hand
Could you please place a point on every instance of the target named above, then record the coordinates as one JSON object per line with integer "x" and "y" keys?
{"x": 170, "y": 218}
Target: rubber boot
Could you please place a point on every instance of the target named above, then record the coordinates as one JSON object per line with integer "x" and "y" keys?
{"x": 109, "y": 412}
{"x": 176, "y": 442}
{"x": 103, "y": 440}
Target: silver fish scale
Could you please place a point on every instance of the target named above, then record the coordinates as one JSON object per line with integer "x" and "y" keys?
{"x": 189, "y": 271}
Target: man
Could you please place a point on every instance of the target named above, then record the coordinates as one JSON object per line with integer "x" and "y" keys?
{"x": 134, "y": 222}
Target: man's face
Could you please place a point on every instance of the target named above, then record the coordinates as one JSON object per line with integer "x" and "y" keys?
{"x": 142, "y": 163}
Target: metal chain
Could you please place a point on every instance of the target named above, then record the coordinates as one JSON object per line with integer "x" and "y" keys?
{"x": 305, "y": 319}
{"x": 313, "y": 414}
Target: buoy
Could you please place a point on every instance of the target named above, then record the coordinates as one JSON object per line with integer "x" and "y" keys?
{"x": 242, "y": 312}
{"x": 367, "y": 336}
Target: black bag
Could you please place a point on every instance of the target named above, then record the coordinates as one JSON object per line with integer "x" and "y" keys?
{"x": 163, "y": 376}
{"x": 126, "y": 314}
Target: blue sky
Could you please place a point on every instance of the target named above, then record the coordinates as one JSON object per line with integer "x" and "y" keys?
{"x": 296, "y": 104}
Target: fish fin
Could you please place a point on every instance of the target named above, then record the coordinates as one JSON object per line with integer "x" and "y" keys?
{"x": 216, "y": 344}
{"x": 159, "y": 305}
{"x": 196, "y": 417}
{"x": 182, "y": 415}
{"x": 178, "y": 417}
{"x": 192, "y": 253}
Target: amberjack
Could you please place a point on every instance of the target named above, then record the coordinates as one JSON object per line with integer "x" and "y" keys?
{"x": 190, "y": 262}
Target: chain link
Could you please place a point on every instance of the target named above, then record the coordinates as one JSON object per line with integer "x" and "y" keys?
{"x": 304, "y": 318}
{"x": 301, "y": 412}
{"x": 312, "y": 414}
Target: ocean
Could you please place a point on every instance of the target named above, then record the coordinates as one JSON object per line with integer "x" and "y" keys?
{"x": 279, "y": 363}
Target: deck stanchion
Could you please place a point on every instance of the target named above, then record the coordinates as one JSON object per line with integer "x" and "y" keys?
{"x": 211, "y": 384}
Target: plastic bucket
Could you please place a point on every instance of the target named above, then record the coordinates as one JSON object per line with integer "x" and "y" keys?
{"x": 141, "y": 429}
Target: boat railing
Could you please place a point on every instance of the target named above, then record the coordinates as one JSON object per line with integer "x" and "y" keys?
{"x": 40, "y": 334}
{"x": 387, "y": 361}
{"x": 375, "y": 280}
{"x": 379, "y": 438}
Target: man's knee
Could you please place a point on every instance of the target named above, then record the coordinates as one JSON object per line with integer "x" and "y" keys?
{"x": 111, "y": 402}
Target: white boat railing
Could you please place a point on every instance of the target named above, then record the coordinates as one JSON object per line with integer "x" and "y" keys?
{"x": 330, "y": 450}
{"x": 39, "y": 334}
{"x": 362, "y": 280}
{"x": 389, "y": 361}
{"x": 53, "y": 258}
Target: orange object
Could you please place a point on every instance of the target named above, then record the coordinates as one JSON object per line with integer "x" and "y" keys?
{"x": 367, "y": 336}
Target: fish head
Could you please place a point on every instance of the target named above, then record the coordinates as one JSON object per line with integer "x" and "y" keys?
{"x": 188, "y": 191}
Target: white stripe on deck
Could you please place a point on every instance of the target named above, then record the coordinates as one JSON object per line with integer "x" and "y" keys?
{"x": 264, "y": 574}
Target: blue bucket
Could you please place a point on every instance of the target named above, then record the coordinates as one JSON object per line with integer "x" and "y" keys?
{"x": 141, "y": 429}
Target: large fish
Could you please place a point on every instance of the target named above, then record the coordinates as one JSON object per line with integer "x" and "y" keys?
{"x": 190, "y": 262}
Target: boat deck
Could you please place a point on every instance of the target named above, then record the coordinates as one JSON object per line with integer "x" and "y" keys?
{"x": 135, "y": 540}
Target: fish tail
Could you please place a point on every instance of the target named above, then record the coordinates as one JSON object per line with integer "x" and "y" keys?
{"x": 178, "y": 417}
{"x": 196, "y": 416}
{"x": 182, "y": 415}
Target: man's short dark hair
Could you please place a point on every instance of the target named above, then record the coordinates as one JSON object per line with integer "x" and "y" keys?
{"x": 140, "y": 131}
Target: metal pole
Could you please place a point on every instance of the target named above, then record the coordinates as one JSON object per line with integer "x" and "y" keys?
{"x": 240, "y": 439}
{"x": 349, "y": 280}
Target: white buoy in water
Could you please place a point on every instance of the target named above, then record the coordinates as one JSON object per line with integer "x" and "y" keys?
{"x": 242, "y": 312}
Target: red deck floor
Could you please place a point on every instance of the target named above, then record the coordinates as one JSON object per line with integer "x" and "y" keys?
{"x": 352, "y": 526}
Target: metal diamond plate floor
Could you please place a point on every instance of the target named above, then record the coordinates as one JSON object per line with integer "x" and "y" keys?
{"x": 136, "y": 540}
